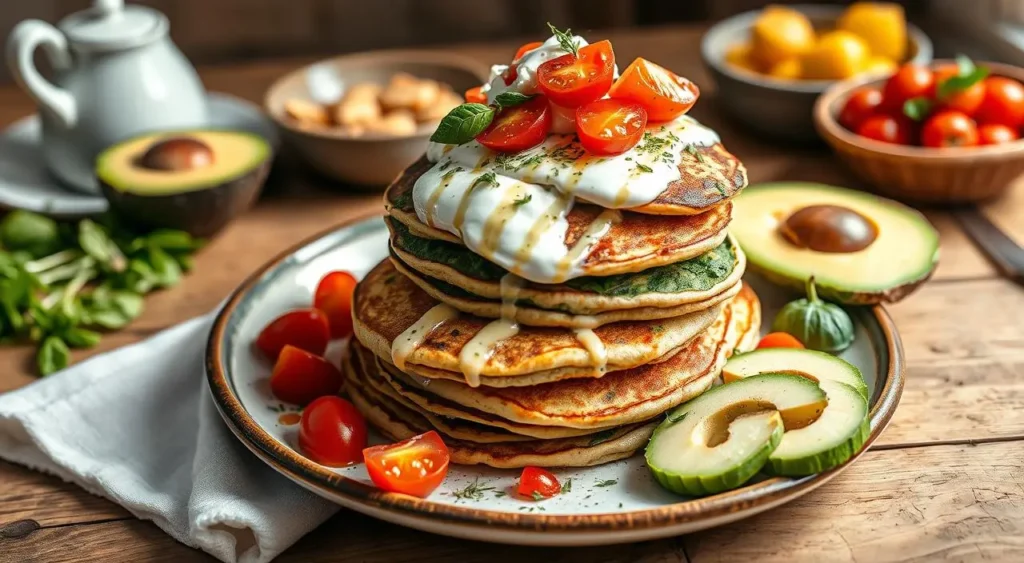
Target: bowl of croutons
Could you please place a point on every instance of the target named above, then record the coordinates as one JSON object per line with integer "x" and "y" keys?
{"x": 362, "y": 118}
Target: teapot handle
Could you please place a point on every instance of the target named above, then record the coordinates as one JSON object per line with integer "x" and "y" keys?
{"x": 21, "y": 45}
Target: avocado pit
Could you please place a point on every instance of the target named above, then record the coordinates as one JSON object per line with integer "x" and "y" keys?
{"x": 177, "y": 154}
{"x": 829, "y": 228}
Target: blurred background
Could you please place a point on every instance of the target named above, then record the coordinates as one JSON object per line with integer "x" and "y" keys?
{"x": 228, "y": 31}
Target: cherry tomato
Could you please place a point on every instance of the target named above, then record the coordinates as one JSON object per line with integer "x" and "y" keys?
{"x": 861, "y": 105}
{"x": 536, "y": 482}
{"x": 512, "y": 72}
{"x": 887, "y": 129}
{"x": 526, "y": 48}
{"x": 967, "y": 100}
{"x": 306, "y": 329}
{"x": 1003, "y": 103}
{"x": 334, "y": 297}
{"x": 910, "y": 81}
{"x": 300, "y": 377}
{"x": 779, "y": 340}
{"x": 610, "y": 126}
{"x": 519, "y": 127}
{"x": 660, "y": 91}
{"x": 573, "y": 81}
{"x": 414, "y": 467}
{"x": 476, "y": 95}
{"x": 332, "y": 432}
{"x": 949, "y": 128}
{"x": 996, "y": 134}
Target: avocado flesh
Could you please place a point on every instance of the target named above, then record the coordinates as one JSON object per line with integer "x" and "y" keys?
{"x": 199, "y": 200}
{"x": 687, "y": 453}
{"x": 837, "y": 435}
{"x": 818, "y": 365}
{"x": 903, "y": 256}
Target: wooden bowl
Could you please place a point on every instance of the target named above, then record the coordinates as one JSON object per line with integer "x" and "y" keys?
{"x": 773, "y": 107}
{"x": 370, "y": 159}
{"x": 921, "y": 174}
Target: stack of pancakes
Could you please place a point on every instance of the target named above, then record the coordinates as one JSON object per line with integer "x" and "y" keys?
{"x": 512, "y": 372}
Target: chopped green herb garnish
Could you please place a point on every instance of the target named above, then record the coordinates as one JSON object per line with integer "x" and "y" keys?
{"x": 499, "y": 494}
{"x": 692, "y": 149}
{"x": 473, "y": 491}
{"x": 606, "y": 483}
{"x": 522, "y": 201}
{"x": 487, "y": 179}
{"x": 566, "y": 40}
{"x": 644, "y": 168}
{"x": 567, "y": 486}
{"x": 537, "y": 496}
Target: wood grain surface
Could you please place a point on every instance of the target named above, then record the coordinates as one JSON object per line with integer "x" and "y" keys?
{"x": 944, "y": 482}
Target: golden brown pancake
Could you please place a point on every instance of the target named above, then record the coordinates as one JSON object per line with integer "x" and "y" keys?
{"x": 708, "y": 177}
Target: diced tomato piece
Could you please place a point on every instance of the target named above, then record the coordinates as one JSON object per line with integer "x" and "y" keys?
{"x": 537, "y": 483}
{"x": 660, "y": 91}
{"x": 334, "y": 297}
{"x": 300, "y": 377}
{"x": 306, "y": 329}
{"x": 571, "y": 81}
{"x": 610, "y": 126}
{"x": 332, "y": 432}
{"x": 476, "y": 95}
{"x": 414, "y": 467}
{"x": 779, "y": 340}
{"x": 518, "y": 128}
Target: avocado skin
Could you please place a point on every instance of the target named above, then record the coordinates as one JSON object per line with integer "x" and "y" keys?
{"x": 844, "y": 296}
{"x": 201, "y": 213}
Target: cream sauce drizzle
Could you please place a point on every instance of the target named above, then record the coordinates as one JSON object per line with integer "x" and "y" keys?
{"x": 474, "y": 355}
{"x": 595, "y": 348}
{"x": 595, "y": 231}
{"x": 412, "y": 337}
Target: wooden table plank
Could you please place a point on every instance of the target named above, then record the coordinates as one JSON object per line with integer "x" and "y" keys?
{"x": 958, "y": 503}
{"x": 29, "y": 495}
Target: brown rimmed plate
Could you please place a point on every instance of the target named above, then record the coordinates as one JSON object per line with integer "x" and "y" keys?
{"x": 613, "y": 503}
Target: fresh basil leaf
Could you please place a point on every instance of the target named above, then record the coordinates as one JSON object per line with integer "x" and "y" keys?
{"x": 52, "y": 356}
{"x": 77, "y": 337}
{"x": 917, "y": 108}
{"x": 166, "y": 269}
{"x": 967, "y": 75}
{"x": 30, "y": 232}
{"x": 510, "y": 99}
{"x": 462, "y": 124}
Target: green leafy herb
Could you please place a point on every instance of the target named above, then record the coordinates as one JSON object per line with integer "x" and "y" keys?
{"x": 601, "y": 437}
{"x": 485, "y": 179}
{"x": 53, "y": 356}
{"x": 499, "y": 494}
{"x": 537, "y": 496}
{"x": 511, "y": 98}
{"x": 606, "y": 483}
{"x": 98, "y": 244}
{"x": 567, "y": 486}
{"x": 25, "y": 231}
{"x": 693, "y": 150}
{"x": 463, "y": 123}
{"x": 473, "y": 491}
{"x": 644, "y": 168}
{"x": 565, "y": 40}
{"x": 522, "y": 201}
{"x": 968, "y": 74}
{"x": 917, "y": 108}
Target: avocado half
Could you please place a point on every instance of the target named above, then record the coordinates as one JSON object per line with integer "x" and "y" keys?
{"x": 861, "y": 249}
{"x": 194, "y": 180}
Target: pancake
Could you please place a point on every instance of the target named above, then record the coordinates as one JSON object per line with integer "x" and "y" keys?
{"x": 399, "y": 423}
{"x": 690, "y": 281}
{"x": 708, "y": 177}
{"x": 387, "y": 304}
{"x": 632, "y": 244}
{"x": 622, "y": 397}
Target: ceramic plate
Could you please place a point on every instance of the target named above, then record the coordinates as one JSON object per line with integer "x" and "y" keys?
{"x": 612, "y": 503}
{"x": 25, "y": 183}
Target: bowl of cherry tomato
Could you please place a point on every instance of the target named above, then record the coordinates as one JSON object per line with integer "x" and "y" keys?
{"x": 946, "y": 133}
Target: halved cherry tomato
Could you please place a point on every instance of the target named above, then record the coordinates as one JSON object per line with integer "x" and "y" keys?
{"x": 414, "y": 467}
{"x": 967, "y": 100}
{"x": 861, "y": 105}
{"x": 573, "y": 81}
{"x": 610, "y": 126}
{"x": 535, "y": 483}
{"x": 996, "y": 134}
{"x": 476, "y": 95}
{"x": 779, "y": 340}
{"x": 949, "y": 128}
{"x": 910, "y": 81}
{"x": 888, "y": 129}
{"x": 300, "y": 377}
{"x": 660, "y": 91}
{"x": 519, "y": 127}
{"x": 334, "y": 297}
{"x": 513, "y": 71}
{"x": 1003, "y": 103}
{"x": 307, "y": 329}
{"x": 332, "y": 432}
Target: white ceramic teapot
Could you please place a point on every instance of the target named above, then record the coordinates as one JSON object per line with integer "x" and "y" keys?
{"x": 117, "y": 74}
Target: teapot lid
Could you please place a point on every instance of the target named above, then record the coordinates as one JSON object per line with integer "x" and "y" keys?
{"x": 110, "y": 25}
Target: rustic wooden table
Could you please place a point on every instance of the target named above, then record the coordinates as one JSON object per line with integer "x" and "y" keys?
{"x": 943, "y": 482}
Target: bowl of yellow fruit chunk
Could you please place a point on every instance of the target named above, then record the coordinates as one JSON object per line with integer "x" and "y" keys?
{"x": 771, "y": 64}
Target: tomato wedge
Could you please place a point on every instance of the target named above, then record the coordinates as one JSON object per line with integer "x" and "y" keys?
{"x": 476, "y": 95}
{"x": 519, "y": 127}
{"x": 300, "y": 377}
{"x": 609, "y": 126}
{"x": 332, "y": 432}
{"x": 537, "y": 483}
{"x": 573, "y": 81}
{"x": 660, "y": 91}
{"x": 334, "y": 297}
{"x": 779, "y": 340}
{"x": 513, "y": 72}
{"x": 414, "y": 467}
{"x": 306, "y": 329}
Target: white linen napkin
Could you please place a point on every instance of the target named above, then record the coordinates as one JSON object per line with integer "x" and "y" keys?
{"x": 137, "y": 426}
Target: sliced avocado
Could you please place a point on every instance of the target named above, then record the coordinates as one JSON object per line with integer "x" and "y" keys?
{"x": 195, "y": 180}
{"x": 835, "y": 437}
{"x": 721, "y": 439}
{"x": 817, "y": 366}
{"x": 860, "y": 248}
